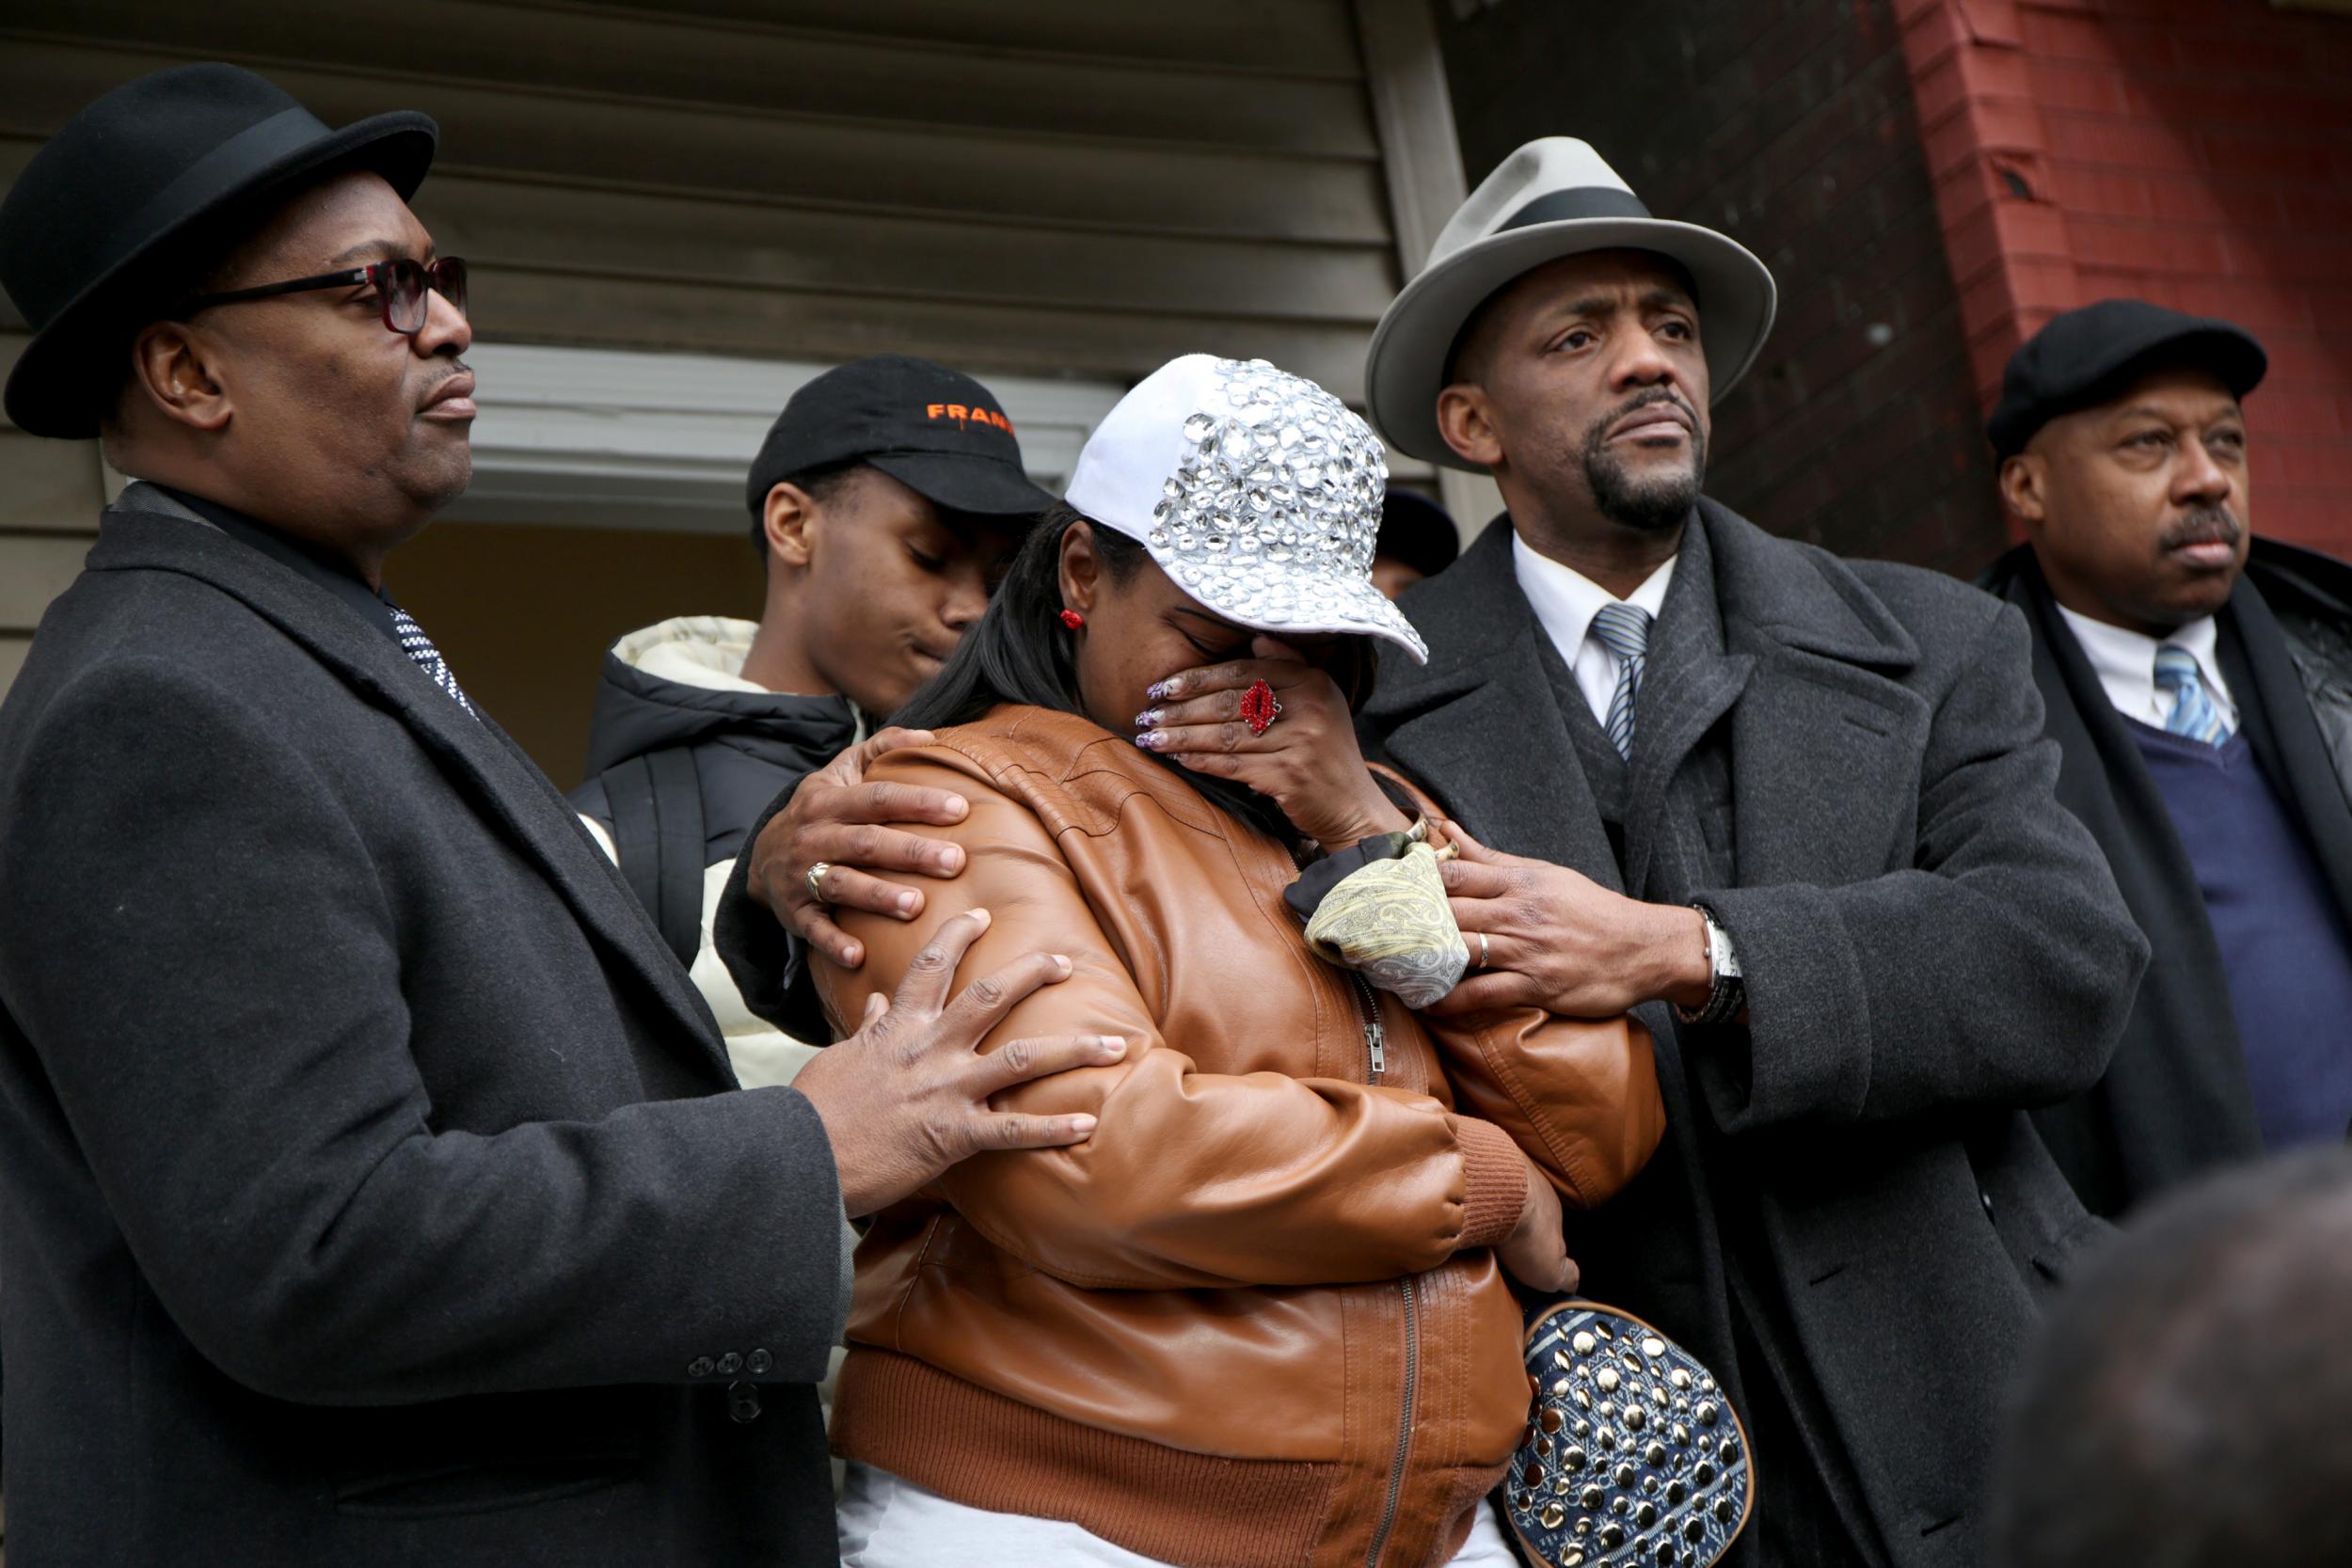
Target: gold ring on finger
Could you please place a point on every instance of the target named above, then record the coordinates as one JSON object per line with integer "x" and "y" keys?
{"x": 815, "y": 880}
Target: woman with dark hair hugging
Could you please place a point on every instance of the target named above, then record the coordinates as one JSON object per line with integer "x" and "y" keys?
{"x": 1260, "y": 1317}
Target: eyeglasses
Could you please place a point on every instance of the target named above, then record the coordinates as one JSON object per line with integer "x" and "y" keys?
{"x": 401, "y": 284}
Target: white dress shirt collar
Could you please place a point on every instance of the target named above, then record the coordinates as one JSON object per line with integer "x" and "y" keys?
{"x": 1565, "y": 600}
{"x": 2125, "y": 663}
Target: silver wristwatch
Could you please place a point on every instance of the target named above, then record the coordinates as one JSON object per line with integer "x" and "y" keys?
{"x": 1729, "y": 992}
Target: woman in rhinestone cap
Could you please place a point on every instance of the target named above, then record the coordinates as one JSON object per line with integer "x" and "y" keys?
{"x": 1261, "y": 1316}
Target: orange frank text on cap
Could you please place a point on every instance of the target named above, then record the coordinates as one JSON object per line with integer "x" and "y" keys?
{"x": 965, "y": 414}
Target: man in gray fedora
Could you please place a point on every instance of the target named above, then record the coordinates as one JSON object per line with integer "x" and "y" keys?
{"x": 1794, "y": 812}
{"x": 374, "y": 1188}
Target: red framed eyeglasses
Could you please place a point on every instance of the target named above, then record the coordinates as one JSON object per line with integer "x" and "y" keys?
{"x": 401, "y": 284}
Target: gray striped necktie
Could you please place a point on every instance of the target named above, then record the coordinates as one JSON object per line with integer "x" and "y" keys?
{"x": 427, "y": 657}
{"x": 1623, "y": 631}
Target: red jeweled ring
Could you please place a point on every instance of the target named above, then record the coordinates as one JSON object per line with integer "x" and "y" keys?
{"x": 1260, "y": 707}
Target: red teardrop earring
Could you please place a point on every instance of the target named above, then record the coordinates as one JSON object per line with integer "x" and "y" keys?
{"x": 1071, "y": 619}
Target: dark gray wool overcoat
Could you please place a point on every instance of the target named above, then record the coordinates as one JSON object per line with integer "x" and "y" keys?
{"x": 1932, "y": 944}
{"x": 368, "y": 1191}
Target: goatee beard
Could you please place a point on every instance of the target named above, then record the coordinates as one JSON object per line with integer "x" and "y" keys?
{"x": 1648, "y": 504}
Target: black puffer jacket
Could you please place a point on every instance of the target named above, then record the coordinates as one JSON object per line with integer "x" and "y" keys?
{"x": 684, "y": 760}
{"x": 678, "y": 684}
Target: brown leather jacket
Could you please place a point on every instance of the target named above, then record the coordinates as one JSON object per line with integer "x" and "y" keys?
{"x": 1255, "y": 1320}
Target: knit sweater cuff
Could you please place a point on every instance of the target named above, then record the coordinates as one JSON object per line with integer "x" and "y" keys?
{"x": 1496, "y": 1176}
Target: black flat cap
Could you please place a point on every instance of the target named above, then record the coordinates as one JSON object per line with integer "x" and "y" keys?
{"x": 2083, "y": 357}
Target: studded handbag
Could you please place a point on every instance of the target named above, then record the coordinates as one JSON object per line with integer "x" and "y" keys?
{"x": 1632, "y": 1454}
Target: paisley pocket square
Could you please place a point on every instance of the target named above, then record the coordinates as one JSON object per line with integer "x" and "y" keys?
{"x": 1632, "y": 1455}
{"x": 1390, "y": 922}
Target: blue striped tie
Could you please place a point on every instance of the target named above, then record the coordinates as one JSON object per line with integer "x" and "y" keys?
{"x": 2194, "y": 714}
{"x": 1623, "y": 631}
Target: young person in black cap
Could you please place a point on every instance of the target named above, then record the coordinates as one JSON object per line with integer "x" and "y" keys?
{"x": 884, "y": 503}
{"x": 367, "y": 1194}
{"x": 2198, "y": 682}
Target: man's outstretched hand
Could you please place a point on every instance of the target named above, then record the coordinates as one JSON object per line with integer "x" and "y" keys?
{"x": 906, "y": 1097}
{"x": 1543, "y": 936}
{"x": 837, "y": 820}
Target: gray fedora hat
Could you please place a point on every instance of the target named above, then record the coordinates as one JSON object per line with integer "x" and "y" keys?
{"x": 1554, "y": 196}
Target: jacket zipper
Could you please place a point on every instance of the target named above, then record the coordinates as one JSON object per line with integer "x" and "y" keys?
{"x": 1376, "y": 1033}
{"x": 1375, "y": 1045}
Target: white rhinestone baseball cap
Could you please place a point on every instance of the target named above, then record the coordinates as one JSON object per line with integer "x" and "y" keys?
{"x": 1256, "y": 490}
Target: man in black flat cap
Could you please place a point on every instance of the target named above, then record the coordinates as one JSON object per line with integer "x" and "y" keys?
{"x": 369, "y": 1194}
{"x": 2198, "y": 682}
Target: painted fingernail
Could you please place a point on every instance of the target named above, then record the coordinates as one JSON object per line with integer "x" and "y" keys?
{"x": 1160, "y": 691}
{"x": 1146, "y": 719}
{"x": 1153, "y": 740}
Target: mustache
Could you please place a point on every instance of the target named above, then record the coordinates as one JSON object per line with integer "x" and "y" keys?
{"x": 2207, "y": 525}
{"x": 1644, "y": 400}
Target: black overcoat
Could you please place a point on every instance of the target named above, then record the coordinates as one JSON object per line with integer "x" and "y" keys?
{"x": 1931, "y": 943}
{"x": 2175, "y": 1103}
{"x": 368, "y": 1195}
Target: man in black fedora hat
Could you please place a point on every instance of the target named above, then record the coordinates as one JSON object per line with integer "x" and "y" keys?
{"x": 369, "y": 1194}
{"x": 2198, "y": 684}
{"x": 1791, "y": 810}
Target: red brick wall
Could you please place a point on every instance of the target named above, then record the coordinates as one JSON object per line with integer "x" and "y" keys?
{"x": 2193, "y": 153}
{"x": 1788, "y": 126}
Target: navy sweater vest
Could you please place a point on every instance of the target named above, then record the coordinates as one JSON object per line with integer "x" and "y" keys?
{"x": 2283, "y": 941}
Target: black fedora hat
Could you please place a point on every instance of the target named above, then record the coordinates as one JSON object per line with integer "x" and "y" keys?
{"x": 129, "y": 187}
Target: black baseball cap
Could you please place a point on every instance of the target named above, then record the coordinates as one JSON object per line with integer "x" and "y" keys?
{"x": 936, "y": 431}
{"x": 2085, "y": 356}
